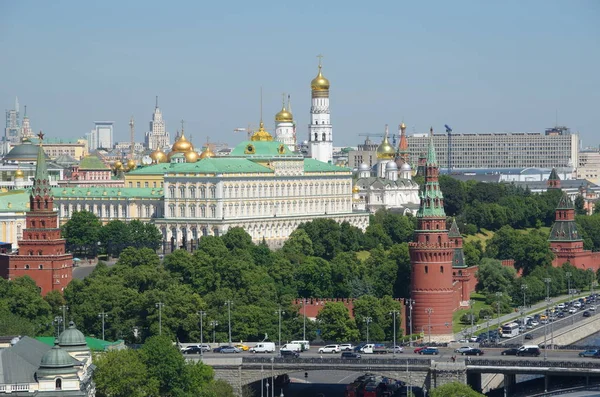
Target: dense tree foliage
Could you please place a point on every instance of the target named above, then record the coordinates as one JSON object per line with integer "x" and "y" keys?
{"x": 82, "y": 232}
{"x": 454, "y": 389}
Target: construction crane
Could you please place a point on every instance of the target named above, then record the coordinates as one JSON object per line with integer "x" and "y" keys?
{"x": 247, "y": 130}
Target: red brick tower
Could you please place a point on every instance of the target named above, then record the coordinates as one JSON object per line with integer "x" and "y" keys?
{"x": 431, "y": 259}
{"x": 565, "y": 241}
{"x": 553, "y": 180}
{"x": 42, "y": 251}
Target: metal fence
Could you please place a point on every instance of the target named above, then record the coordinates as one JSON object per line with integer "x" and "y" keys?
{"x": 337, "y": 361}
{"x": 535, "y": 364}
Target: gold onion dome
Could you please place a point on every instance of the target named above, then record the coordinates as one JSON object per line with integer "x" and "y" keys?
{"x": 182, "y": 144}
{"x": 131, "y": 164}
{"x": 355, "y": 189}
{"x": 207, "y": 153}
{"x": 19, "y": 174}
{"x": 191, "y": 156}
{"x": 319, "y": 83}
{"x": 284, "y": 115}
{"x": 118, "y": 165}
{"x": 261, "y": 134}
{"x": 385, "y": 150}
{"x": 158, "y": 156}
{"x": 402, "y": 126}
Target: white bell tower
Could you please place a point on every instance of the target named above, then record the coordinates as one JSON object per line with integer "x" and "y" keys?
{"x": 320, "y": 132}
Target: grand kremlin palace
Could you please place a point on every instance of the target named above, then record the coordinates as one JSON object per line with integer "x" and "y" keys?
{"x": 261, "y": 186}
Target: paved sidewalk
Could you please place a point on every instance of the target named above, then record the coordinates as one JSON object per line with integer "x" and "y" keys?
{"x": 539, "y": 306}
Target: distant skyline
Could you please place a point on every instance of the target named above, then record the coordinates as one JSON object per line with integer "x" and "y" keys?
{"x": 477, "y": 66}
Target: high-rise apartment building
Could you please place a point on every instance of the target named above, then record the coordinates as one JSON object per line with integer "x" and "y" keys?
{"x": 157, "y": 137}
{"x": 13, "y": 125}
{"x": 501, "y": 150}
{"x": 101, "y": 137}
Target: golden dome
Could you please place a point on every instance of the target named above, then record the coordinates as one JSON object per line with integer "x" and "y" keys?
{"x": 131, "y": 164}
{"x": 19, "y": 174}
{"x": 118, "y": 165}
{"x": 284, "y": 115}
{"x": 261, "y": 134}
{"x": 207, "y": 153}
{"x": 158, "y": 156}
{"x": 403, "y": 126}
{"x": 182, "y": 144}
{"x": 319, "y": 83}
{"x": 355, "y": 189}
{"x": 191, "y": 156}
{"x": 385, "y": 150}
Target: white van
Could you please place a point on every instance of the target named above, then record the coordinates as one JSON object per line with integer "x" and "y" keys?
{"x": 263, "y": 347}
{"x": 294, "y": 347}
{"x": 303, "y": 343}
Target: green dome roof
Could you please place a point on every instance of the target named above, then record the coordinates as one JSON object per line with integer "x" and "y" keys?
{"x": 23, "y": 152}
{"x": 71, "y": 337}
{"x": 56, "y": 358}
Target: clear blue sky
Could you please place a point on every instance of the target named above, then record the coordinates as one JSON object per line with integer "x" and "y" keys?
{"x": 479, "y": 66}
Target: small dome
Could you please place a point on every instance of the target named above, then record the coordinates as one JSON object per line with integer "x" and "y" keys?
{"x": 26, "y": 152}
{"x": 261, "y": 134}
{"x": 191, "y": 156}
{"x": 319, "y": 83}
{"x": 391, "y": 166}
{"x": 207, "y": 153}
{"x": 182, "y": 144}
{"x": 19, "y": 174}
{"x": 118, "y": 165}
{"x": 284, "y": 115}
{"x": 355, "y": 189}
{"x": 131, "y": 164}
{"x": 158, "y": 156}
{"x": 56, "y": 358}
{"x": 363, "y": 167}
{"x": 405, "y": 167}
{"x": 385, "y": 150}
{"x": 72, "y": 337}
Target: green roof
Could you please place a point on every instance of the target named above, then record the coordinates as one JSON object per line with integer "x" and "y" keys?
{"x": 154, "y": 169}
{"x": 93, "y": 343}
{"x": 454, "y": 232}
{"x": 112, "y": 192}
{"x": 92, "y": 162}
{"x": 220, "y": 165}
{"x": 261, "y": 149}
{"x": 312, "y": 165}
{"x": 18, "y": 200}
{"x": 54, "y": 141}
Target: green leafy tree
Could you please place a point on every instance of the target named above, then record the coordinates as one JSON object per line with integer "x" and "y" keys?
{"x": 114, "y": 237}
{"x": 375, "y": 235}
{"x": 122, "y": 373}
{"x": 579, "y": 205}
{"x": 473, "y": 251}
{"x": 325, "y": 236}
{"x": 492, "y": 277}
{"x": 335, "y": 323}
{"x": 165, "y": 364}
{"x": 82, "y": 232}
{"x": 454, "y": 195}
{"x": 237, "y": 237}
{"x": 298, "y": 246}
{"x": 597, "y": 207}
{"x": 399, "y": 253}
{"x": 454, "y": 389}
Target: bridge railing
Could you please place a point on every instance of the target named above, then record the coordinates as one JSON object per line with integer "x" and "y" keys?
{"x": 534, "y": 364}
{"x": 421, "y": 362}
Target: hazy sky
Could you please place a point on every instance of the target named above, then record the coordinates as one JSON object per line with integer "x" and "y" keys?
{"x": 479, "y": 66}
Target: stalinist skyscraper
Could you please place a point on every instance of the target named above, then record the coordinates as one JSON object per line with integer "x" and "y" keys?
{"x": 157, "y": 137}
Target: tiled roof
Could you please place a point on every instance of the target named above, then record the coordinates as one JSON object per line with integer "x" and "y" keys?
{"x": 14, "y": 201}
{"x": 312, "y": 165}
{"x": 92, "y": 162}
{"x": 257, "y": 149}
{"x": 114, "y": 192}
{"x": 220, "y": 165}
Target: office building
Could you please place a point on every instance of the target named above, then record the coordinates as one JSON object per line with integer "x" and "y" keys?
{"x": 101, "y": 137}
{"x": 157, "y": 137}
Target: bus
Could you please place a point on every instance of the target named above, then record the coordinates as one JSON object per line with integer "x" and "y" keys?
{"x": 510, "y": 330}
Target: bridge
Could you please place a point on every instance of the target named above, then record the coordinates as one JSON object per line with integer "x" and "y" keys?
{"x": 423, "y": 372}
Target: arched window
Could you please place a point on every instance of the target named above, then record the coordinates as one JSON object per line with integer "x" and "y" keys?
{"x": 441, "y": 269}
{"x": 26, "y": 266}
{"x": 439, "y": 239}
{"x": 41, "y": 267}
{"x": 58, "y": 384}
{"x": 426, "y": 269}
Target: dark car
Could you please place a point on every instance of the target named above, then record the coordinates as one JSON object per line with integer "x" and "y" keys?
{"x": 587, "y": 314}
{"x": 560, "y": 314}
{"x": 473, "y": 352}
{"x": 528, "y": 336}
{"x": 289, "y": 353}
{"x": 350, "y": 356}
{"x": 430, "y": 351}
{"x": 218, "y": 349}
{"x": 588, "y": 353}
{"x": 510, "y": 352}
{"x": 193, "y": 350}
{"x": 529, "y": 351}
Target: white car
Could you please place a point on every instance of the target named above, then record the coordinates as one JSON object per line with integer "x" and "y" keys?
{"x": 572, "y": 310}
{"x": 473, "y": 339}
{"x": 592, "y": 308}
{"x": 330, "y": 349}
{"x": 462, "y": 349}
{"x": 346, "y": 347}
{"x": 398, "y": 349}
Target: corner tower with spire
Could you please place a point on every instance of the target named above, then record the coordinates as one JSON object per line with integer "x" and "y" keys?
{"x": 42, "y": 254}
{"x": 320, "y": 131}
{"x": 431, "y": 255}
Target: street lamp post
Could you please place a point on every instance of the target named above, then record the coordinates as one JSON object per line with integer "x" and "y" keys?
{"x": 429, "y": 310}
{"x": 368, "y": 320}
{"x": 394, "y": 313}
{"x": 304, "y": 325}
{"x": 214, "y": 324}
{"x": 202, "y": 314}
{"x": 279, "y": 312}
{"x": 57, "y": 321}
{"x": 229, "y": 303}
{"x": 471, "y": 302}
{"x": 547, "y": 280}
{"x": 498, "y": 295}
{"x": 159, "y": 305}
{"x": 102, "y": 316}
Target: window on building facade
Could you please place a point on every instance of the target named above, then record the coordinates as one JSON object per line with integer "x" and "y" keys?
{"x": 182, "y": 192}
{"x": 192, "y": 192}
{"x": 124, "y": 212}
{"x": 115, "y": 212}
{"x": 213, "y": 211}
{"x": 171, "y": 191}
{"x": 145, "y": 184}
{"x": 137, "y": 184}
{"x": 193, "y": 211}
{"x": 213, "y": 192}
{"x": 182, "y": 211}
{"x": 147, "y": 208}
{"x": 172, "y": 211}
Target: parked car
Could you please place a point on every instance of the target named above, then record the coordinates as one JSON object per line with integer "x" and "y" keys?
{"x": 510, "y": 352}
{"x": 289, "y": 353}
{"x": 587, "y": 314}
{"x": 330, "y": 349}
{"x": 430, "y": 351}
{"x": 462, "y": 349}
{"x": 346, "y": 347}
{"x": 473, "y": 352}
{"x": 350, "y": 356}
{"x": 229, "y": 349}
{"x": 588, "y": 353}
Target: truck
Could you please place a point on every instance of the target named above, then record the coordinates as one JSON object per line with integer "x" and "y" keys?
{"x": 295, "y": 347}
{"x": 375, "y": 348}
{"x": 263, "y": 347}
